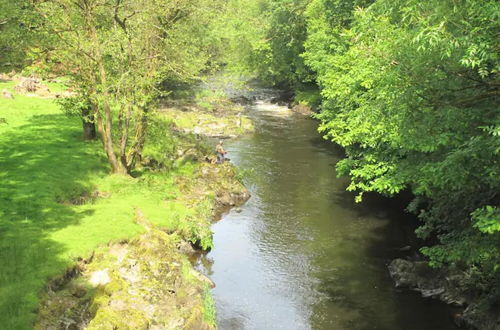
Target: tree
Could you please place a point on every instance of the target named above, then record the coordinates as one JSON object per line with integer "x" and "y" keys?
{"x": 117, "y": 52}
{"x": 17, "y": 22}
{"x": 266, "y": 38}
{"x": 410, "y": 90}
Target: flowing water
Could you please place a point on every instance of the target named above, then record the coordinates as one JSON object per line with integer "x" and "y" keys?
{"x": 300, "y": 254}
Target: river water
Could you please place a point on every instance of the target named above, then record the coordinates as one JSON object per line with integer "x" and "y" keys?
{"x": 300, "y": 254}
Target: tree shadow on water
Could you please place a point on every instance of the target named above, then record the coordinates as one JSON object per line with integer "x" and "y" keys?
{"x": 389, "y": 235}
{"x": 44, "y": 166}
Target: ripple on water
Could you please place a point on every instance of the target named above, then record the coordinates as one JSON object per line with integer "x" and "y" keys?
{"x": 302, "y": 254}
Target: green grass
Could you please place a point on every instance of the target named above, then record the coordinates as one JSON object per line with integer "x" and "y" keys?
{"x": 48, "y": 216}
{"x": 209, "y": 308}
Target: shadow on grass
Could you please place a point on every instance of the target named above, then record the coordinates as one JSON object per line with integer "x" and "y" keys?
{"x": 42, "y": 164}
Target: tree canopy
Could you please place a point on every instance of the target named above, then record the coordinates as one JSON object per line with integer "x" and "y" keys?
{"x": 410, "y": 90}
{"x": 117, "y": 54}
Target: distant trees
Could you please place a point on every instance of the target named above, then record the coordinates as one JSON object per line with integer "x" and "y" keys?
{"x": 117, "y": 52}
{"x": 266, "y": 37}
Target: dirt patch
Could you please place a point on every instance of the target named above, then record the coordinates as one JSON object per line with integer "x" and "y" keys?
{"x": 86, "y": 198}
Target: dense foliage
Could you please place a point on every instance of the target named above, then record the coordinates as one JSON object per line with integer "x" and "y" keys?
{"x": 410, "y": 90}
{"x": 411, "y": 93}
{"x": 16, "y": 33}
{"x": 267, "y": 38}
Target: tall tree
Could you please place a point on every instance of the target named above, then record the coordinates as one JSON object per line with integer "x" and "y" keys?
{"x": 117, "y": 52}
{"x": 411, "y": 91}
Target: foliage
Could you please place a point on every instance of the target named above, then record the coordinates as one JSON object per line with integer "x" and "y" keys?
{"x": 16, "y": 22}
{"x": 268, "y": 37}
{"x": 487, "y": 219}
{"x": 117, "y": 54}
{"x": 410, "y": 90}
{"x": 74, "y": 106}
{"x": 209, "y": 308}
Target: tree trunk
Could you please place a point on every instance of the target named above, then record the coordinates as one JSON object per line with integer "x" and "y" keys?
{"x": 88, "y": 120}
{"x": 124, "y": 125}
{"x": 107, "y": 142}
{"x": 105, "y": 124}
{"x": 135, "y": 152}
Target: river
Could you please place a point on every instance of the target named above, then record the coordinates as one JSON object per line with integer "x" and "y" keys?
{"x": 300, "y": 254}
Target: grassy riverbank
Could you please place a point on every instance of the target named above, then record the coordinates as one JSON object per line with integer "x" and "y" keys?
{"x": 58, "y": 203}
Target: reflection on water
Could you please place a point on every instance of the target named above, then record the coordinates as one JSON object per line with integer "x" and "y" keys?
{"x": 301, "y": 254}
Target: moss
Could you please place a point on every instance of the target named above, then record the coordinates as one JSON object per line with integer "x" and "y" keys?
{"x": 109, "y": 318}
{"x": 226, "y": 122}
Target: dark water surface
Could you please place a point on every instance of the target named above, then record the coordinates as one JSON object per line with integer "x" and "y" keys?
{"x": 301, "y": 254}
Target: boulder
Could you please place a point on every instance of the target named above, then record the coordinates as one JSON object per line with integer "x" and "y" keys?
{"x": 243, "y": 100}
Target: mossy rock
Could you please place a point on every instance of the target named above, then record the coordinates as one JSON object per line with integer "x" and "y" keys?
{"x": 109, "y": 318}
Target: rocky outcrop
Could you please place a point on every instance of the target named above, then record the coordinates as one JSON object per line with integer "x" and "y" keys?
{"x": 149, "y": 282}
{"x": 143, "y": 284}
{"x": 445, "y": 285}
{"x": 430, "y": 282}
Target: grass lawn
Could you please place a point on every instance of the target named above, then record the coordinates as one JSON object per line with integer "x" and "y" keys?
{"x": 57, "y": 201}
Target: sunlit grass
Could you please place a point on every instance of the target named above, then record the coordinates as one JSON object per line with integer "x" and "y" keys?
{"x": 57, "y": 201}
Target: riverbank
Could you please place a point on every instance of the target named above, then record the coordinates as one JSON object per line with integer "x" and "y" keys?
{"x": 64, "y": 219}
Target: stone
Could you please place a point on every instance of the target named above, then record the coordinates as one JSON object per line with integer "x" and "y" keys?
{"x": 434, "y": 293}
{"x": 6, "y": 94}
{"x": 243, "y": 100}
{"x": 100, "y": 278}
{"x": 405, "y": 248}
{"x": 28, "y": 85}
{"x": 402, "y": 272}
{"x": 203, "y": 278}
{"x": 185, "y": 247}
